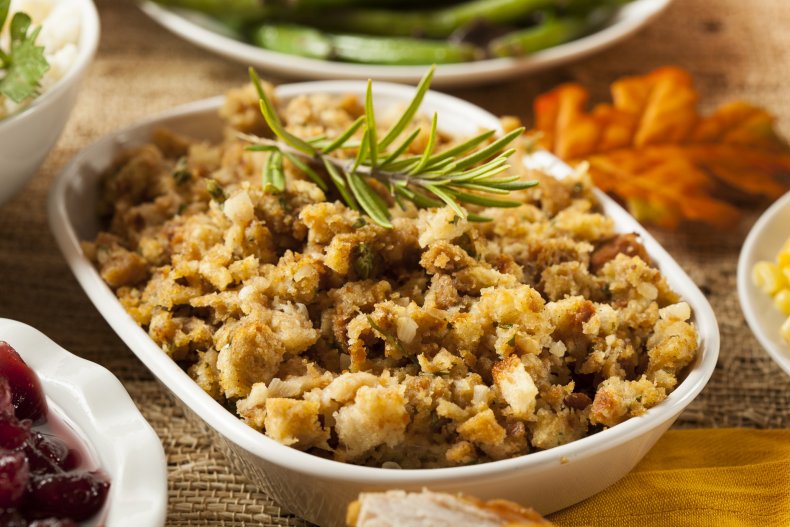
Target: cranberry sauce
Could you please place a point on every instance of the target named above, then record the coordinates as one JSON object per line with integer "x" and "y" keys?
{"x": 45, "y": 477}
{"x": 26, "y": 393}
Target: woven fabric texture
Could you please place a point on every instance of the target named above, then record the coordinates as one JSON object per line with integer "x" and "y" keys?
{"x": 733, "y": 48}
{"x": 698, "y": 478}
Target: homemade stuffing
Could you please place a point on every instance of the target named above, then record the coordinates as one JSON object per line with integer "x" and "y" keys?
{"x": 437, "y": 343}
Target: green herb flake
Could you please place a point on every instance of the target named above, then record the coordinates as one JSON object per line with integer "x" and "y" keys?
{"x": 181, "y": 173}
{"x": 364, "y": 261}
{"x": 284, "y": 203}
{"x": 359, "y": 223}
{"x": 215, "y": 191}
{"x": 393, "y": 340}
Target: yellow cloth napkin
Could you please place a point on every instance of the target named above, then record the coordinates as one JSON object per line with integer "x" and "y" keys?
{"x": 691, "y": 478}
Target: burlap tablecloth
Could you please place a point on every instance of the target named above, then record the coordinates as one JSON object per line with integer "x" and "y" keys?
{"x": 735, "y": 49}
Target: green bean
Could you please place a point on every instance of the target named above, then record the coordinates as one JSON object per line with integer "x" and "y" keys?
{"x": 305, "y": 41}
{"x": 430, "y": 23}
{"x": 551, "y": 32}
{"x": 400, "y": 51}
{"x": 294, "y": 40}
{"x": 369, "y": 31}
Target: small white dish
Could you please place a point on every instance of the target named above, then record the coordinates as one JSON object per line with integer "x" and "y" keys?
{"x": 763, "y": 243}
{"x": 208, "y": 34}
{"x": 319, "y": 489}
{"x": 28, "y": 136}
{"x": 94, "y": 404}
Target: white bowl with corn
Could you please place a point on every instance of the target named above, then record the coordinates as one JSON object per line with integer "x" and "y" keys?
{"x": 764, "y": 281}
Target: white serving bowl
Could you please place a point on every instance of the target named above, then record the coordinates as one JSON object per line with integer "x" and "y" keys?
{"x": 319, "y": 489}
{"x": 214, "y": 36}
{"x": 95, "y": 406}
{"x": 763, "y": 243}
{"x": 28, "y": 136}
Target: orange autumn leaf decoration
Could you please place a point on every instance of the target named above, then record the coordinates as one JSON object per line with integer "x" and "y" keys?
{"x": 653, "y": 150}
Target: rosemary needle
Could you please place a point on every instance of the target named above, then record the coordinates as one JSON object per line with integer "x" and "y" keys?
{"x": 463, "y": 174}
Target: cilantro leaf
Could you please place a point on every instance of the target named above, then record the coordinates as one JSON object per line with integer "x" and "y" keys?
{"x": 25, "y": 64}
{"x": 5, "y": 5}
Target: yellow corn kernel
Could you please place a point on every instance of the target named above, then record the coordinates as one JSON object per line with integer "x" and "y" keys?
{"x": 785, "y": 330}
{"x": 782, "y": 301}
{"x": 768, "y": 278}
{"x": 783, "y": 260}
{"x": 786, "y": 272}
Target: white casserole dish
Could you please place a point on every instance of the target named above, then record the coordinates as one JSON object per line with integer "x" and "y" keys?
{"x": 319, "y": 489}
{"x": 95, "y": 406}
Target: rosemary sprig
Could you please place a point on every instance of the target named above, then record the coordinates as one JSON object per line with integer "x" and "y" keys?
{"x": 463, "y": 174}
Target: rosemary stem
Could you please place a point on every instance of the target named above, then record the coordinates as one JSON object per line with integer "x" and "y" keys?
{"x": 317, "y": 160}
{"x": 426, "y": 179}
